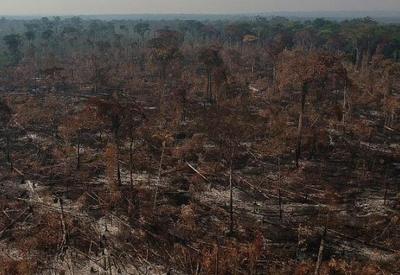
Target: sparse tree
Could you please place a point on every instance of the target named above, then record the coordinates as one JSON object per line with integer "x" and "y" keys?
{"x": 305, "y": 72}
{"x": 5, "y": 118}
{"x": 14, "y": 43}
{"x": 211, "y": 59}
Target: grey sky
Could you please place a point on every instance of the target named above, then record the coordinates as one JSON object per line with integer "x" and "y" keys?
{"x": 188, "y": 6}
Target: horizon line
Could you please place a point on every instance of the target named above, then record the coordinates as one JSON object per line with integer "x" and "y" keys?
{"x": 199, "y": 13}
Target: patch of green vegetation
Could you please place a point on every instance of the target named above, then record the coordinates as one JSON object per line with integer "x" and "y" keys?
{"x": 4, "y": 59}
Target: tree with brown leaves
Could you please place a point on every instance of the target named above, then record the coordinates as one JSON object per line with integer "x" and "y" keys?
{"x": 304, "y": 72}
{"x": 211, "y": 59}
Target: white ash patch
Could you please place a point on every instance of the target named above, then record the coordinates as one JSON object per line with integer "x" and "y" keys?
{"x": 376, "y": 147}
{"x": 139, "y": 178}
{"x": 371, "y": 207}
{"x": 219, "y": 196}
{"x": 222, "y": 197}
{"x": 109, "y": 225}
{"x": 32, "y": 137}
{"x": 99, "y": 181}
{"x": 32, "y": 187}
{"x": 394, "y": 146}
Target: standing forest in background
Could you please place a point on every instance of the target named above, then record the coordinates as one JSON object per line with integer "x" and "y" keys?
{"x": 258, "y": 146}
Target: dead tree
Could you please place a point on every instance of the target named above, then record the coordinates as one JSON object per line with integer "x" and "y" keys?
{"x": 5, "y": 119}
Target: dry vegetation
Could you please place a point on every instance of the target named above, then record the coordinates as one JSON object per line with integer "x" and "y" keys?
{"x": 185, "y": 147}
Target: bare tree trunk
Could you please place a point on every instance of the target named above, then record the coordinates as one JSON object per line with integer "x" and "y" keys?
{"x": 118, "y": 169}
{"x": 118, "y": 164}
{"x": 209, "y": 87}
{"x": 386, "y": 189}
{"x": 163, "y": 72}
{"x": 344, "y": 107}
{"x": 274, "y": 74}
{"x": 320, "y": 253}
{"x": 300, "y": 124}
{"x": 280, "y": 205}
{"x": 359, "y": 58}
{"x": 131, "y": 162}
{"x": 159, "y": 176}
{"x": 78, "y": 157}
{"x": 109, "y": 264}
{"x": 9, "y": 158}
{"x": 387, "y": 94}
{"x": 217, "y": 261}
{"x": 63, "y": 226}
{"x": 230, "y": 198}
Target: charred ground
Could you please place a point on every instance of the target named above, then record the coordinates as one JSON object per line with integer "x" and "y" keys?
{"x": 187, "y": 147}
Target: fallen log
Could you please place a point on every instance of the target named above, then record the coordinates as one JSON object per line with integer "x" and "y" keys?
{"x": 320, "y": 253}
{"x": 13, "y": 222}
{"x": 197, "y": 172}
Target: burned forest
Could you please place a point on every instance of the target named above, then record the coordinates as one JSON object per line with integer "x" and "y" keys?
{"x": 264, "y": 145}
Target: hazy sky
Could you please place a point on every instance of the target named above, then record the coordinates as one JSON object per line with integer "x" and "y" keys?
{"x": 188, "y": 6}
